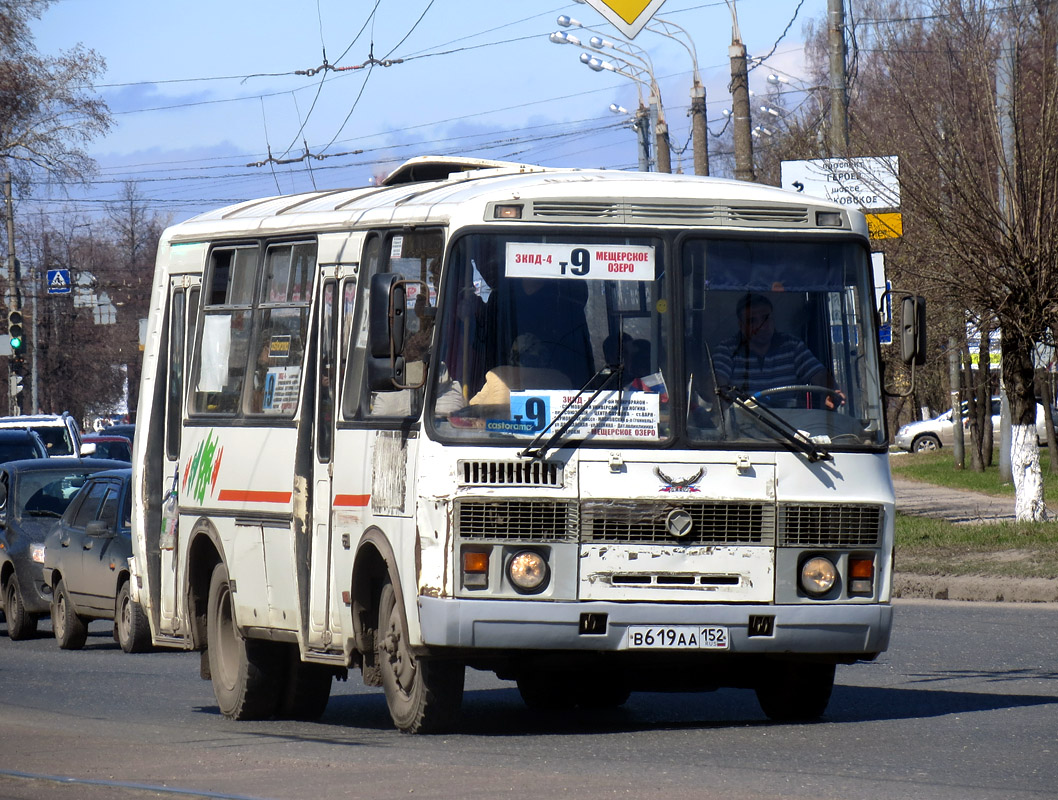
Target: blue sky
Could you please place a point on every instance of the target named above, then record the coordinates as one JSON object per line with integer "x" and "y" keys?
{"x": 199, "y": 90}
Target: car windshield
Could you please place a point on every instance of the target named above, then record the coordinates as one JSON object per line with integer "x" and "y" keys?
{"x": 47, "y": 493}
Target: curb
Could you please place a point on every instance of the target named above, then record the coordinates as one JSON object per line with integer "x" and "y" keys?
{"x": 975, "y": 588}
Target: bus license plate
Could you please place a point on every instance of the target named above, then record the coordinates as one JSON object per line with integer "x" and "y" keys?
{"x": 677, "y": 637}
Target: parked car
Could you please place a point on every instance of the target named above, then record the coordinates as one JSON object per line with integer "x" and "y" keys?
{"x": 34, "y": 494}
{"x": 18, "y": 443}
{"x": 86, "y": 565}
{"x": 126, "y": 429}
{"x": 931, "y": 434}
{"x": 60, "y": 432}
{"x": 103, "y": 445}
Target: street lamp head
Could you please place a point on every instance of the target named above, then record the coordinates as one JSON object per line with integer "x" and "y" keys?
{"x": 561, "y": 37}
{"x": 599, "y": 43}
{"x": 565, "y": 21}
{"x": 777, "y": 79}
{"x": 769, "y": 110}
{"x": 618, "y": 109}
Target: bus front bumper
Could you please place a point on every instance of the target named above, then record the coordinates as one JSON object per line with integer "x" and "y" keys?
{"x": 846, "y": 629}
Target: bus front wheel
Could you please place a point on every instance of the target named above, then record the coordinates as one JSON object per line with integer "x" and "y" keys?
{"x": 423, "y": 694}
{"x": 796, "y": 691}
{"x": 244, "y": 672}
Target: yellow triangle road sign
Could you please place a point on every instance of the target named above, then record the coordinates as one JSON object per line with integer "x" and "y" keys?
{"x": 628, "y": 16}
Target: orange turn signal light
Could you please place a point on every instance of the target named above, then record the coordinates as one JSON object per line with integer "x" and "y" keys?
{"x": 475, "y": 562}
{"x": 861, "y": 568}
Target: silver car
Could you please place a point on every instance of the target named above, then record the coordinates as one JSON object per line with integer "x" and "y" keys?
{"x": 931, "y": 434}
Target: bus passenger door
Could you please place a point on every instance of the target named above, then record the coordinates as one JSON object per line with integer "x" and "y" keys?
{"x": 321, "y": 571}
{"x": 183, "y": 304}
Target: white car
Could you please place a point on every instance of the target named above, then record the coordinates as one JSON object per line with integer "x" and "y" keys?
{"x": 931, "y": 434}
{"x": 60, "y": 432}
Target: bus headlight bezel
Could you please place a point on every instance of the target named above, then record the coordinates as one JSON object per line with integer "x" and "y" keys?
{"x": 818, "y": 576}
{"x": 528, "y": 571}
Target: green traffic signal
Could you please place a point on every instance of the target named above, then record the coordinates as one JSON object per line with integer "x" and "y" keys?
{"x": 14, "y": 330}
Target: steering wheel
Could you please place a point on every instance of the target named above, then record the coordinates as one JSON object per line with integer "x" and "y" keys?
{"x": 838, "y": 398}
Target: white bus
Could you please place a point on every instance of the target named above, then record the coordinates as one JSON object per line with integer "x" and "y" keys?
{"x": 494, "y": 415}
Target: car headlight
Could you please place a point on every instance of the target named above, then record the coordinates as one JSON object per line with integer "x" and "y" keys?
{"x": 818, "y": 576}
{"x": 527, "y": 571}
{"x": 36, "y": 552}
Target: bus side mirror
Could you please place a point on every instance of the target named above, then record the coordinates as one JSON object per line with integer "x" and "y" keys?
{"x": 388, "y": 307}
{"x": 385, "y": 374}
{"x": 913, "y": 330}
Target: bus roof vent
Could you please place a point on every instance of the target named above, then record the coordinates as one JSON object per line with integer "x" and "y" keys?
{"x": 557, "y": 209}
{"x": 510, "y": 473}
{"x": 786, "y": 215}
{"x": 665, "y": 212}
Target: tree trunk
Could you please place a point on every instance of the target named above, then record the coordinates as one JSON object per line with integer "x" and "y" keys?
{"x": 1024, "y": 451}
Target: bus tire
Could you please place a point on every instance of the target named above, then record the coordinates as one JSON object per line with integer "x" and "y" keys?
{"x": 70, "y": 630}
{"x": 307, "y": 689}
{"x": 423, "y": 694}
{"x": 20, "y": 623}
{"x": 131, "y": 628}
{"x": 796, "y": 691}
{"x": 243, "y": 671}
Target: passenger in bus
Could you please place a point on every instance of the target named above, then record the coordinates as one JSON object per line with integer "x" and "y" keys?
{"x": 527, "y": 367}
{"x": 633, "y": 357}
{"x": 551, "y": 310}
{"x": 759, "y": 357}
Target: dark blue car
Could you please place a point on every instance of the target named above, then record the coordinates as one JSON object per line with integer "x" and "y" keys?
{"x": 34, "y": 495}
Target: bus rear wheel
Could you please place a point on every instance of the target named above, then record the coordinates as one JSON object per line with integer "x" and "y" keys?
{"x": 796, "y": 691}
{"x": 423, "y": 694}
{"x": 244, "y": 672}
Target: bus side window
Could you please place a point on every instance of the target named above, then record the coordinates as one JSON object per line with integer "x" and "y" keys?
{"x": 281, "y": 324}
{"x": 415, "y": 256}
{"x": 223, "y": 344}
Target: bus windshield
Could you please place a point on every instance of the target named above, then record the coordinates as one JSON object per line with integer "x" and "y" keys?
{"x": 535, "y": 331}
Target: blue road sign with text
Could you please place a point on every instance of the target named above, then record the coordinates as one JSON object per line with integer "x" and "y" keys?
{"x": 58, "y": 281}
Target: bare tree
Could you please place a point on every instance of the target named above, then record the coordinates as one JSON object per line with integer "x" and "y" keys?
{"x": 48, "y": 113}
{"x": 965, "y": 92}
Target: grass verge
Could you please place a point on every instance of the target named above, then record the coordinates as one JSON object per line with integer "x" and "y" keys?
{"x": 938, "y": 468}
{"x": 926, "y": 546}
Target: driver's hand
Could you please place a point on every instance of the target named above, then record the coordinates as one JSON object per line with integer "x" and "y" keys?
{"x": 835, "y": 399}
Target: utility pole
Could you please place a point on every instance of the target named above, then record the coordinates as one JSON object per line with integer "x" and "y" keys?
{"x": 839, "y": 96}
{"x": 740, "y": 105}
{"x": 661, "y": 134}
{"x": 642, "y": 127}
{"x": 16, "y": 371}
{"x": 698, "y": 129}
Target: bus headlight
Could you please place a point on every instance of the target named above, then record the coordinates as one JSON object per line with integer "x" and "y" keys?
{"x": 527, "y": 571}
{"x": 818, "y": 576}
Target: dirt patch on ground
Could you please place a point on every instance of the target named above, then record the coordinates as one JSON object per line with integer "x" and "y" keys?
{"x": 976, "y": 588}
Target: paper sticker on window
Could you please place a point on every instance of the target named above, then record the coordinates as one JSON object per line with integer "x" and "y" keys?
{"x": 279, "y": 347}
{"x": 281, "y": 390}
{"x": 613, "y": 414}
{"x": 616, "y": 262}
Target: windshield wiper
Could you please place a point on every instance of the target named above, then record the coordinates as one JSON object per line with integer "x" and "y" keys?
{"x": 539, "y": 453}
{"x": 776, "y": 423}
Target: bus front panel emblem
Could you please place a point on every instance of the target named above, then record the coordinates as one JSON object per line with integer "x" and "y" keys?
{"x": 679, "y": 523}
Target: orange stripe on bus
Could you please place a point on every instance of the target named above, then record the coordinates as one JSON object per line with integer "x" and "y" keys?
{"x": 351, "y": 499}
{"x": 249, "y": 496}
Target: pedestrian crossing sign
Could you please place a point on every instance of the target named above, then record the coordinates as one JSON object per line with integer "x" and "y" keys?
{"x": 628, "y": 16}
{"x": 58, "y": 281}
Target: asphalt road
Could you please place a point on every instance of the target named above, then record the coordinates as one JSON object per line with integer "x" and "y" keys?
{"x": 963, "y": 706}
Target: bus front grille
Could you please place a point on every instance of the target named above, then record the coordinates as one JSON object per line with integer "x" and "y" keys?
{"x": 829, "y": 526}
{"x": 647, "y": 523}
{"x": 522, "y": 520}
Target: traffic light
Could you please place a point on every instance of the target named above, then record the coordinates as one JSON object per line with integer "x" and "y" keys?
{"x": 15, "y": 331}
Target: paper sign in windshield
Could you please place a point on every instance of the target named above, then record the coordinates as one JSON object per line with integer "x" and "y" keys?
{"x": 614, "y": 414}
{"x": 612, "y": 262}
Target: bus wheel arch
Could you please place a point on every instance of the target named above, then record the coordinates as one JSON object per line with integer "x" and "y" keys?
{"x": 372, "y": 569}
{"x": 203, "y": 555}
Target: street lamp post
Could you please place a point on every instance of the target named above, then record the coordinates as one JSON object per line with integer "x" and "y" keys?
{"x": 638, "y": 67}
{"x": 699, "y": 132}
{"x": 641, "y": 125}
